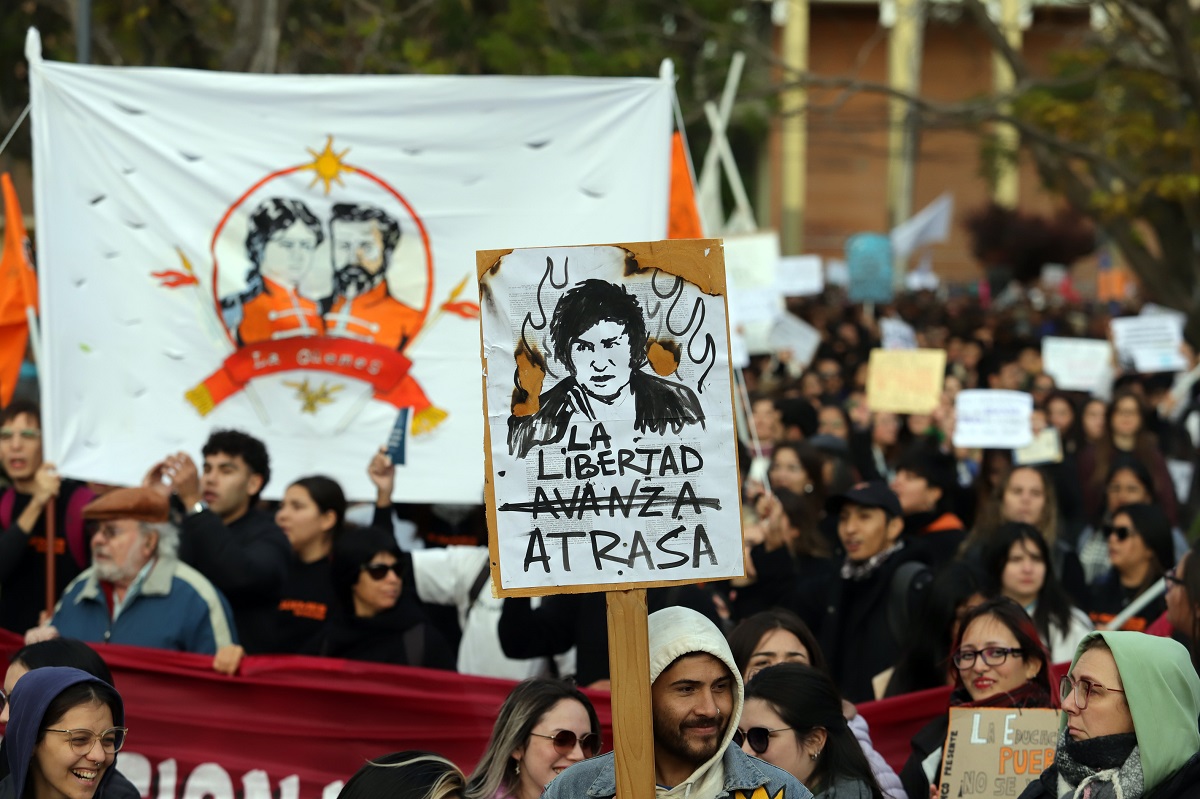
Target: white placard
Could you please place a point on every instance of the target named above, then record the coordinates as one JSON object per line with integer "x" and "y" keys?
{"x": 792, "y": 334}
{"x": 1045, "y": 448}
{"x": 752, "y": 260}
{"x": 993, "y": 419}
{"x": 801, "y": 276}
{"x": 1150, "y": 341}
{"x": 612, "y": 446}
{"x": 897, "y": 334}
{"x": 1181, "y": 475}
{"x": 1077, "y": 364}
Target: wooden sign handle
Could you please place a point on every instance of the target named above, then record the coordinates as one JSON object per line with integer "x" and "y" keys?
{"x": 629, "y": 669}
{"x": 51, "y": 582}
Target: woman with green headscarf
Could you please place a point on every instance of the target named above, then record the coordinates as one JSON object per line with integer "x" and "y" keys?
{"x": 1129, "y": 729}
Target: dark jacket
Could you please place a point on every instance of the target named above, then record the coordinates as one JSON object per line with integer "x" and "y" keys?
{"x": 1183, "y": 784}
{"x": 1109, "y": 598}
{"x": 934, "y": 537}
{"x": 856, "y": 633}
{"x": 23, "y": 556}
{"x": 563, "y": 621}
{"x": 401, "y": 636}
{"x": 247, "y": 561}
{"x": 30, "y": 699}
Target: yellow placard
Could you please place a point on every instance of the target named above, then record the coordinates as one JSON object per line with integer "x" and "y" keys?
{"x": 905, "y": 381}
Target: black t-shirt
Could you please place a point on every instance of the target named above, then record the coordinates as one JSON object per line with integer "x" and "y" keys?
{"x": 305, "y": 604}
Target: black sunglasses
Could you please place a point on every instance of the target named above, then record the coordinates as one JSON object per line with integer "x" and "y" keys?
{"x": 1120, "y": 531}
{"x": 759, "y": 737}
{"x": 377, "y": 571}
{"x": 565, "y": 740}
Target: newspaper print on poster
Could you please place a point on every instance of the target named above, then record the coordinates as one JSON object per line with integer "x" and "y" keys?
{"x": 613, "y": 454}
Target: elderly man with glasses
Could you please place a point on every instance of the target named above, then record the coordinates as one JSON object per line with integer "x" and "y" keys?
{"x": 137, "y": 591}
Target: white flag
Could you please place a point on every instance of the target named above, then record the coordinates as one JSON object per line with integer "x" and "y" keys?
{"x": 294, "y": 256}
{"x": 930, "y": 225}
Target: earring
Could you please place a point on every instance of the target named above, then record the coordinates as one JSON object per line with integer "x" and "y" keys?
{"x": 815, "y": 755}
{"x": 518, "y": 771}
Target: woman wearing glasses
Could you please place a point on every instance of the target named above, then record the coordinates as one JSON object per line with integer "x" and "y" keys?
{"x": 377, "y": 619}
{"x": 1140, "y": 550}
{"x": 1130, "y": 703}
{"x": 544, "y": 726}
{"x": 998, "y": 661}
{"x": 793, "y": 719}
{"x": 63, "y": 734}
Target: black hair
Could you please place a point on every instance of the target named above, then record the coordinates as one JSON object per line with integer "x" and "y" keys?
{"x": 934, "y": 467}
{"x": 805, "y": 699}
{"x": 237, "y": 444}
{"x": 744, "y": 638}
{"x": 63, "y": 652}
{"x": 21, "y": 406}
{"x": 1053, "y": 606}
{"x": 389, "y": 228}
{"x": 354, "y": 549}
{"x": 410, "y": 775}
{"x": 1017, "y": 621}
{"x": 1154, "y": 527}
{"x": 326, "y": 493}
{"x": 593, "y": 301}
{"x": 272, "y": 216}
{"x": 81, "y": 693}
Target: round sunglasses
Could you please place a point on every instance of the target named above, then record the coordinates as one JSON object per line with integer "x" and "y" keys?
{"x": 565, "y": 740}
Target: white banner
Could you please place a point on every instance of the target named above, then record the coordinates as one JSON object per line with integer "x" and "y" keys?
{"x": 993, "y": 418}
{"x": 294, "y": 255}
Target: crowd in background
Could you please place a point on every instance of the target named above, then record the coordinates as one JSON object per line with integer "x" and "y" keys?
{"x": 878, "y": 554}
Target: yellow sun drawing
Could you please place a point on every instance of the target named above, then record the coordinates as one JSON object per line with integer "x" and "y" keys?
{"x": 328, "y": 165}
{"x": 312, "y": 399}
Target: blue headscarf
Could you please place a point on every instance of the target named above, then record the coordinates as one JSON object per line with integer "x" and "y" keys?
{"x": 30, "y": 698}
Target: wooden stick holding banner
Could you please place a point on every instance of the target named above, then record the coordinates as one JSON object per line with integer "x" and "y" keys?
{"x": 610, "y": 442}
{"x": 51, "y": 593}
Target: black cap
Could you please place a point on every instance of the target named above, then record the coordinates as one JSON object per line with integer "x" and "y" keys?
{"x": 872, "y": 494}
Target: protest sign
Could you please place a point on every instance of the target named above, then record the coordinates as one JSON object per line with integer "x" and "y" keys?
{"x": 1182, "y": 473}
{"x": 1077, "y": 364}
{"x": 897, "y": 334}
{"x": 1150, "y": 342}
{"x": 1046, "y": 447}
{"x": 869, "y": 261}
{"x": 792, "y": 335}
{"x": 754, "y": 299}
{"x": 290, "y": 255}
{"x": 992, "y": 419}
{"x": 905, "y": 381}
{"x": 752, "y": 315}
{"x": 800, "y": 276}
{"x": 612, "y": 454}
{"x": 996, "y": 752}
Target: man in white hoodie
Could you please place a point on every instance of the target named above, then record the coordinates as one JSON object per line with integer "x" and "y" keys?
{"x": 696, "y": 697}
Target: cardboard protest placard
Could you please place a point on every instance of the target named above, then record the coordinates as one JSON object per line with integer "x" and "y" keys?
{"x": 1077, "y": 364}
{"x": 869, "y": 261}
{"x": 612, "y": 456}
{"x": 996, "y": 752}
{"x": 992, "y": 419}
{"x": 897, "y": 334}
{"x": 1046, "y": 447}
{"x": 800, "y": 276}
{"x": 905, "y": 381}
{"x": 798, "y": 338}
{"x": 1150, "y": 342}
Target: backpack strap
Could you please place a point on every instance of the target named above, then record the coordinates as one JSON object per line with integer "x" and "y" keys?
{"x": 7, "y": 501}
{"x": 74, "y": 526}
{"x": 480, "y": 581}
{"x": 911, "y": 574}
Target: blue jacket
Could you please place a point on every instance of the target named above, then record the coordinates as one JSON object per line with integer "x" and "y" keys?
{"x": 177, "y": 608}
{"x": 597, "y": 778}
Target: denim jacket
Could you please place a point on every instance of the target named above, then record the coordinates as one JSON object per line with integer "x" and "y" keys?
{"x": 746, "y": 777}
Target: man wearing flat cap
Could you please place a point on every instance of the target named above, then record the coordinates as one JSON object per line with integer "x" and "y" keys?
{"x": 137, "y": 591}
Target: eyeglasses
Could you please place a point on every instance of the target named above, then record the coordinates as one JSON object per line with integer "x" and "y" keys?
{"x": 28, "y": 434}
{"x": 565, "y": 740}
{"x": 992, "y": 656}
{"x": 82, "y": 741}
{"x": 1169, "y": 578}
{"x": 759, "y": 737}
{"x": 1120, "y": 531}
{"x": 1066, "y": 685}
{"x": 378, "y": 571}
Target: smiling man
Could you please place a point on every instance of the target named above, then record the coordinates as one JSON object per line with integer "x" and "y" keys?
{"x": 598, "y": 333}
{"x": 696, "y": 701}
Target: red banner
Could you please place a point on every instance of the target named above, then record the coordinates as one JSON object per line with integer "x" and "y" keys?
{"x": 297, "y": 727}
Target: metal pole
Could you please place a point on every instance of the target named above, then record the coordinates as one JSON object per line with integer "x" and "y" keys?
{"x": 83, "y": 33}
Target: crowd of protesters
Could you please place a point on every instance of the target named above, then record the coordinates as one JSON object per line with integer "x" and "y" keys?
{"x": 879, "y": 555}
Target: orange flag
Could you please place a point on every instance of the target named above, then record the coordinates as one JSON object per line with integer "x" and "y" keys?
{"x": 684, "y": 219}
{"x": 18, "y": 291}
